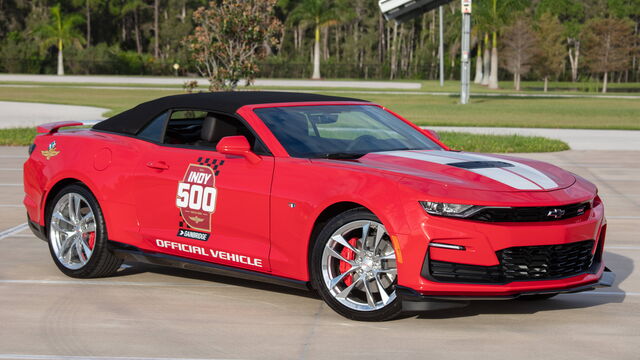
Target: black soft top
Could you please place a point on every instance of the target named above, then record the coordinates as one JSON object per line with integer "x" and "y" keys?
{"x": 133, "y": 120}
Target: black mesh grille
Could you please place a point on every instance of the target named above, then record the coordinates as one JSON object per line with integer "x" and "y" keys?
{"x": 546, "y": 262}
{"x": 521, "y": 263}
{"x": 453, "y": 272}
{"x": 527, "y": 214}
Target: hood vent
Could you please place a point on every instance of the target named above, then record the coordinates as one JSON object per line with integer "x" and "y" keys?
{"x": 481, "y": 164}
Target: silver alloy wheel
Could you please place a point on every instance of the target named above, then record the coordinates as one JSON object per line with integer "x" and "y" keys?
{"x": 72, "y": 231}
{"x": 359, "y": 266}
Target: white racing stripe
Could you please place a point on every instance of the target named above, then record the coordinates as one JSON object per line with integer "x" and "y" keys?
{"x": 507, "y": 178}
{"x": 523, "y": 170}
{"x": 519, "y": 176}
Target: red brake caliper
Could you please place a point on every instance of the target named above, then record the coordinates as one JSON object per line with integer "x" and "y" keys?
{"x": 92, "y": 240}
{"x": 349, "y": 255}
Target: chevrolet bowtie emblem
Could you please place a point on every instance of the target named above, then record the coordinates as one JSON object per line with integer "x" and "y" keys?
{"x": 556, "y": 213}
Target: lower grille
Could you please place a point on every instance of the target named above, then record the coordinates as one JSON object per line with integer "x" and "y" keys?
{"x": 521, "y": 263}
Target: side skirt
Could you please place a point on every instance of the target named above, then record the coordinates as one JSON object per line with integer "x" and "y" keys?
{"x": 131, "y": 253}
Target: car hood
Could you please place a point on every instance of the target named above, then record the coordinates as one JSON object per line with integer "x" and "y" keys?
{"x": 472, "y": 171}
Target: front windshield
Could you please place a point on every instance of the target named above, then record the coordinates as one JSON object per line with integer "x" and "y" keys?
{"x": 341, "y": 131}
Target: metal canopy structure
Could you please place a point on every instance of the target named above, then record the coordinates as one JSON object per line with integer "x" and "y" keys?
{"x": 405, "y": 10}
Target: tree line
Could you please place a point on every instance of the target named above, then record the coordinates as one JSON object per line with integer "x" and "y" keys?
{"x": 568, "y": 40}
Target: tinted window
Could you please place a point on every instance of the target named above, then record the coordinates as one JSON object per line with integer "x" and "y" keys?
{"x": 155, "y": 129}
{"x": 198, "y": 128}
{"x": 326, "y": 131}
{"x": 184, "y": 127}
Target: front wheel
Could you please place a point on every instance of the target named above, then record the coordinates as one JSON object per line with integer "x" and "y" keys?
{"x": 353, "y": 267}
{"x": 78, "y": 235}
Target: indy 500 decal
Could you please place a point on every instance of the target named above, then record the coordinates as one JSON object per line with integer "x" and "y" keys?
{"x": 197, "y": 196}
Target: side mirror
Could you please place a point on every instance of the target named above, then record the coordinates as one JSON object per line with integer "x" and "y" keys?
{"x": 431, "y": 133}
{"x": 239, "y": 146}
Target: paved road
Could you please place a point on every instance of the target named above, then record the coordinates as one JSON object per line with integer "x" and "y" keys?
{"x": 149, "y": 312}
{"x": 167, "y": 80}
{"x": 368, "y": 87}
{"x": 577, "y": 139}
{"x": 23, "y": 114}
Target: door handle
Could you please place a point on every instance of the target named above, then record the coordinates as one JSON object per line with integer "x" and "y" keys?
{"x": 158, "y": 165}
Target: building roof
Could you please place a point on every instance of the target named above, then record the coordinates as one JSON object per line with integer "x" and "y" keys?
{"x": 133, "y": 120}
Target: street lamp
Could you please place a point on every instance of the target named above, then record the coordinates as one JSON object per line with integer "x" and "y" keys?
{"x": 404, "y": 10}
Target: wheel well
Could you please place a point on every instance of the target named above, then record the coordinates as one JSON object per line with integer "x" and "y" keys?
{"x": 324, "y": 217}
{"x": 55, "y": 190}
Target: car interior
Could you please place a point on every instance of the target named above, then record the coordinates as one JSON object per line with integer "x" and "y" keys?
{"x": 198, "y": 128}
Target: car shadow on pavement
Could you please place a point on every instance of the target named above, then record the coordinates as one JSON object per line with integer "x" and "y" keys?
{"x": 623, "y": 267}
{"x": 138, "y": 268}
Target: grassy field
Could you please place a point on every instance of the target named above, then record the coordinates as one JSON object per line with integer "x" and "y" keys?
{"x": 584, "y": 113}
{"x": 500, "y": 143}
{"x": 455, "y": 140}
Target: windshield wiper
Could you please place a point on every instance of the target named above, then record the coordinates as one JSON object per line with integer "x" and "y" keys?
{"x": 340, "y": 155}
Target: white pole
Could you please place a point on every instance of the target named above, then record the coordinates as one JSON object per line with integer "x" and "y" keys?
{"x": 441, "y": 51}
{"x": 465, "y": 71}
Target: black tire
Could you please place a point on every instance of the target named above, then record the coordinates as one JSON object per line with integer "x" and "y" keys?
{"x": 390, "y": 311}
{"x": 102, "y": 262}
{"x": 535, "y": 297}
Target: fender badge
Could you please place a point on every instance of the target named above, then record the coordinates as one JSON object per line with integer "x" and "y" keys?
{"x": 51, "y": 151}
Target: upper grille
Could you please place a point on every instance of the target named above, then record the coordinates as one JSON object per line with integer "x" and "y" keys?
{"x": 528, "y": 214}
{"x": 521, "y": 263}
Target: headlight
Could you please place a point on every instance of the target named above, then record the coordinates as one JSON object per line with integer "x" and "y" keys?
{"x": 446, "y": 209}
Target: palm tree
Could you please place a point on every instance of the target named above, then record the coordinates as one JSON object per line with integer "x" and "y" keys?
{"x": 491, "y": 16}
{"x": 60, "y": 31}
{"x": 320, "y": 14}
{"x": 134, "y": 6}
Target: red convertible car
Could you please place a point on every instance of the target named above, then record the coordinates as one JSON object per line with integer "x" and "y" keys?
{"x": 327, "y": 193}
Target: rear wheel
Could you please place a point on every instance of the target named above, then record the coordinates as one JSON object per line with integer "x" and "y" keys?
{"x": 78, "y": 236}
{"x": 354, "y": 267}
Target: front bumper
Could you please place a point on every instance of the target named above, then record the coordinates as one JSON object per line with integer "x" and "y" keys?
{"x": 481, "y": 244}
{"x": 414, "y": 301}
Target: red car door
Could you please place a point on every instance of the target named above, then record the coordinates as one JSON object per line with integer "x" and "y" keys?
{"x": 200, "y": 204}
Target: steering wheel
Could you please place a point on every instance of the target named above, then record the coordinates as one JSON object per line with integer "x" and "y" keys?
{"x": 361, "y": 140}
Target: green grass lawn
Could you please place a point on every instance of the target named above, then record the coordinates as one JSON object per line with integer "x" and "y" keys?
{"x": 500, "y": 143}
{"x": 593, "y": 113}
{"x": 455, "y": 140}
{"x": 426, "y": 110}
{"x": 516, "y": 112}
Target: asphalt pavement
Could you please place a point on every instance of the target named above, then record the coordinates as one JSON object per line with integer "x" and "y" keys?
{"x": 25, "y": 114}
{"x": 180, "y": 80}
{"x": 148, "y": 312}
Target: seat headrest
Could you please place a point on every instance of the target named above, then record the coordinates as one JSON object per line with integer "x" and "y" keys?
{"x": 214, "y": 129}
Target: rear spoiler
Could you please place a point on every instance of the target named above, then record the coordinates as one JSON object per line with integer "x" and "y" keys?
{"x": 53, "y": 127}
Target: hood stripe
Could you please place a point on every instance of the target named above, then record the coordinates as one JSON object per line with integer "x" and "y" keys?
{"x": 527, "y": 172}
{"x": 520, "y": 176}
